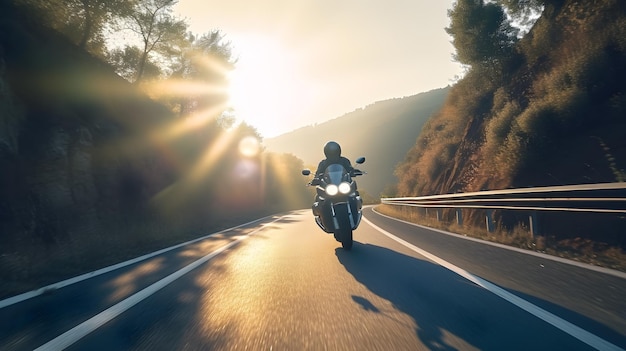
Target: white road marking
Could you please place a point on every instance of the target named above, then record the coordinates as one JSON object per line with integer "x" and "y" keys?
{"x": 34, "y": 293}
{"x": 599, "y": 269}
{"x": 569, "y": 328}
{"x": 73, "y": 335}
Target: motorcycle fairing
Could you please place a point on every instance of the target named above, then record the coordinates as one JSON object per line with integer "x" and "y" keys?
{"x": 327, "y": 219}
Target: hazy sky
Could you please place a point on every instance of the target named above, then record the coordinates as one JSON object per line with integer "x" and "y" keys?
{"x": 304, "y": 62}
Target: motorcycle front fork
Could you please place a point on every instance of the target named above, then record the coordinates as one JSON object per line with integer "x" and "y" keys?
{"x": 350, "y": 216}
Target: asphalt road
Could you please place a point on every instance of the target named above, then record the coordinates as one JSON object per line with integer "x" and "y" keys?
{"x": 283, "y": 284}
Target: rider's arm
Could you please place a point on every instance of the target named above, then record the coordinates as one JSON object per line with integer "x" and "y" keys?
{"x": 316, "y": 176}
{"x": 320, "y": 168}
{"x": 347, "y": 165}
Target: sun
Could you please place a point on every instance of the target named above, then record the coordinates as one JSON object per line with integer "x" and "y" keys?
{"x": 263, "y": 87}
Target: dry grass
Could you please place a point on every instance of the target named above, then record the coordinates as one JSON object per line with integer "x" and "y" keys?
{"x": 582, "y": 250}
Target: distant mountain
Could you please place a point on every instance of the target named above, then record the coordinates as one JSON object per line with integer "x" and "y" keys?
{"x": 383, "y": 132}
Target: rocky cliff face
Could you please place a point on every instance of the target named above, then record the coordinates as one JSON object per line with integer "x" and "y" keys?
{"x": 11, "y": 114}
{"x": 47, "y": 180}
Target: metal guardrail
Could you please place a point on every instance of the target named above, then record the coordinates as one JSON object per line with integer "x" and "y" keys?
{"x": 598, "y": 198}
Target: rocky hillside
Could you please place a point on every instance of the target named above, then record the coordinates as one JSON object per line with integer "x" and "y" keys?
{"x": 552, "y": 111}
{"x": 554, "y": 114}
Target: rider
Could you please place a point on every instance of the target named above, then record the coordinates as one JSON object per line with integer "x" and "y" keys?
{"x": 332, "y": 150}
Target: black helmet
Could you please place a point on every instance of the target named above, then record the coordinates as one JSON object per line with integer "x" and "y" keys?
{"x": 332, "y": 150}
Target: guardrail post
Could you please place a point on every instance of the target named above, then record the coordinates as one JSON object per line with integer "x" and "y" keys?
{"x": 489, "y": 220}
{"x": 438, "y": 215}
{"x": 533, "y": 222}
{"x": 426, "y": 211}
{"x": 459, "y": 217}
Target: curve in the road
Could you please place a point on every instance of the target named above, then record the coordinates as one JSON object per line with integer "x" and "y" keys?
{"x": 567, "y": 327}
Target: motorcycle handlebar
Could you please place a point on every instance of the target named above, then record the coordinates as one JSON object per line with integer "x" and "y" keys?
{"x": 316, "y": 180}
{"x": 357, "y": 172}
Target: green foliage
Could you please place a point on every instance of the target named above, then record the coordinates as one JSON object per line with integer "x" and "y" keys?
{"x": 127, "y": 60}
{"x": 83, "y": 22}
{"x": 522, "y": 11}
{"x": 204, "y": 61}
{"x": 539, "y": 42}
{"x": 160, "y": 32}
{"x": 480, "y": 33}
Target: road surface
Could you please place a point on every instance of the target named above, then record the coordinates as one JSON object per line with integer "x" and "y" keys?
{"x": 280, "y": 283}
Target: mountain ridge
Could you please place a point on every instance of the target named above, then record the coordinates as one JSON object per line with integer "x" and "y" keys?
{"x": 382, "y": 132}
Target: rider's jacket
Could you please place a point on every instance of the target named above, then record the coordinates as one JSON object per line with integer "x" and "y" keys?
{"x": 325, "y": 162}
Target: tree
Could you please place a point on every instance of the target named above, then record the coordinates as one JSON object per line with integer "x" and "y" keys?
{"x": 212, "y": 57}
{"x": 158, "y": 30}
{"x": 82, "y": 21}
{"x": 127, "y": 60}
{"x": 522, "y": 11}
{"x": 204, "y": 61}
{"x": 94, "y": 15}
{"x": 480, "y": 32}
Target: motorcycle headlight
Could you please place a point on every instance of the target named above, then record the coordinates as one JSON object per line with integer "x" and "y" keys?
{"x": 344, "y": 188}
{"x": 332, "y": 190}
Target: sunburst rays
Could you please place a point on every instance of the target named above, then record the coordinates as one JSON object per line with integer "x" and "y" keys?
{"x": 208, "y": 163}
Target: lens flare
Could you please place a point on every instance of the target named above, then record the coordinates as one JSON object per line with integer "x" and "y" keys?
{"x": 249, "y": 146}
{"x": 246, "y": 169}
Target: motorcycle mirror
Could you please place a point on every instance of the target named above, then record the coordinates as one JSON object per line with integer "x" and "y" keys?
{"x": 306, "y": 172}
{"x": 360, "y": 160}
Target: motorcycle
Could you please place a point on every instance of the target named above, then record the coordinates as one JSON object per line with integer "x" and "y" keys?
{"x": 337, "y": 206}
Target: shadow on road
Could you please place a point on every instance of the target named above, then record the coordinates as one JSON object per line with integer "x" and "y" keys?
{"x": 447, "y": 307}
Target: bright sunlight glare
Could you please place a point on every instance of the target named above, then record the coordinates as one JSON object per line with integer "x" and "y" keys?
{"x": 249, "y": 146}
{"x": 264, "y": 88}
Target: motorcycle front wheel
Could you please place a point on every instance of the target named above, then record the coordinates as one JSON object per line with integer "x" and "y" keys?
{"x": 346, "y": 241}
{"x": 345, "y": 232}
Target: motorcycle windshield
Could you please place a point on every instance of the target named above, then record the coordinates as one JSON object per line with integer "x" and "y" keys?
{"x": 335, "y": 174}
